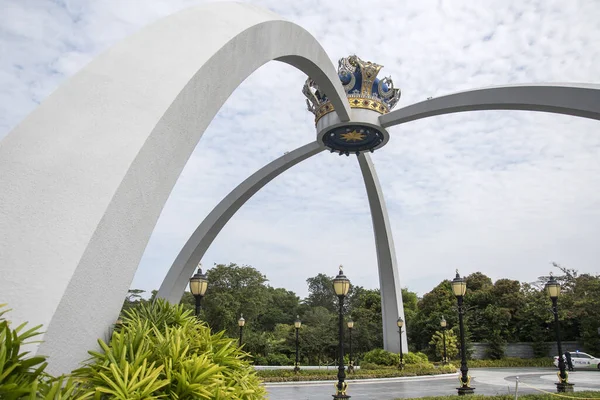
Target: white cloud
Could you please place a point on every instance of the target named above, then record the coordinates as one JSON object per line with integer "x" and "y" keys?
{"x": 499, "y": 192}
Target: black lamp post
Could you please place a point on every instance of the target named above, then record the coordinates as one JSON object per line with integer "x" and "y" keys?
{"x": 241, "y": 323}
{"x": 350, "y": 361}
{"x": 443, "y": 325}
{"x": 341, "y": 285}
{"x": 553, "y": 289}
{"x": 297, "y": 325}
{"x": 198, "y": 286}
{"x": 459, "y": 288}
{"x": 400, "y": 324}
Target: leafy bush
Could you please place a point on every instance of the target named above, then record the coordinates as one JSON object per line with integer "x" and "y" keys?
{"x": 367, "y": 366}
{"x": 278, "y": 359}
{"x": 163, "y": 351}
{"x": 22, "y": 377}
{"x": 19, "y": 376}
{"x": 512, "y": 362}
{"x": 381, "y": 357}
{"x": 496, "y": 346}
{"x": 546, "y": 396}
{"x": 437, "y": 342}
{"x": 414, "y": 358}
{"x": 288, "y": 375}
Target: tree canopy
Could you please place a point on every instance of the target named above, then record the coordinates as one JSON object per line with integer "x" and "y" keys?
{"x": 497, "y": 313}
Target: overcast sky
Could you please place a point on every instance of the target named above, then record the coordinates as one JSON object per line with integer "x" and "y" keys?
{"x": 501, "y": 192}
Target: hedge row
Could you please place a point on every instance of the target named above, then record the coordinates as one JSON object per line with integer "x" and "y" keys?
{"x": 511, "y": 362}
{"x": 288, "y": 375}
{"x": 587, "y": 395}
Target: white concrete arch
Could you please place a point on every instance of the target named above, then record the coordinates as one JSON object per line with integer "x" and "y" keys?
{"x": 577, "y": 99}
{"x": 392, "y": 305}
{"x": 85, "y": 176}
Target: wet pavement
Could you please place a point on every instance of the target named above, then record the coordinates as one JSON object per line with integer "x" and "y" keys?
{"x": 485, "y": 381}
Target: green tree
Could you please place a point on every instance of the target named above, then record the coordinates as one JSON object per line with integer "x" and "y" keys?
{"x": 319, "y": 335}
{"x": 133, "y": 298}
{"x": 281, "y": 308}
{"x": 435, "y": 304}
{"x": 233, "y": 290}
{"x": 367, "y": 333}
{"x": 321, "y": 293}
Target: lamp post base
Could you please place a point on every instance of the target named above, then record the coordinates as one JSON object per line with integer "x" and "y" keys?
{"x": 563, "y": 387}
{"x": 464, "y": 390}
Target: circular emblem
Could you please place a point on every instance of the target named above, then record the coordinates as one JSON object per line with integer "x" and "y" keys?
{"x": 352, "y": 139}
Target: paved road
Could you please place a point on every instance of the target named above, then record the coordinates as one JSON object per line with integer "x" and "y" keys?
{"x": 485, "y": 381}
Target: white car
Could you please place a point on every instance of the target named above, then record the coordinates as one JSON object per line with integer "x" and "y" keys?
{"x": 580, "y": 360}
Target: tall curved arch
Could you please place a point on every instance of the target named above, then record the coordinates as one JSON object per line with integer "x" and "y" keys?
{"x": 392, "y": 306}
{"x": 580, "y": 100}
{"x": 86, "y": 175}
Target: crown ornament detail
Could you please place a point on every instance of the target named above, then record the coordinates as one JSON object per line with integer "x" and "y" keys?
{"x": 363, "y": 88}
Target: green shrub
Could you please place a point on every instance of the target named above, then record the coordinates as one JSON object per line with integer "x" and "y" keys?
{"x": 362, "y": 373}
{"x": 437, "y": 343}
{"x": 381, "y": 357}
{"x": 162, "y": 351}
{"x": 496, "y": 346}
{"x": 23, "y": 377}
{"x": 260, "y": 360}
{"x": 367, "y": 366}
{"x": 546, "y": 396}
{"x": 278, "y": 359}
{"x": 512, "y": 362}
{"x": 414, "y": 358}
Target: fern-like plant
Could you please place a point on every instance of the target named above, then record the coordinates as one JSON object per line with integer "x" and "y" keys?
{"x": 23, "y": 377}
{"x": 162, "y": 351}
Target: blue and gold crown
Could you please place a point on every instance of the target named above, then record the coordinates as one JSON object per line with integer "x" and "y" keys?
{"x": 363, "y": 88}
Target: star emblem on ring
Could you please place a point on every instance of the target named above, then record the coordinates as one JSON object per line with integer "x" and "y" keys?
{"x": 353, "y": 136}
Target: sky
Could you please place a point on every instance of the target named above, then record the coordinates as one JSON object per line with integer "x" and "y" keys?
{"x": 501, "y": 192}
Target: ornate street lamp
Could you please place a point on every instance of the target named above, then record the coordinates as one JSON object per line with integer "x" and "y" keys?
{"x": 198, "y": 286}
{"x": 443, "y": 325}
{"x": 553, "y": 289}
{"x": 459, "y": 288}
{"x": 297, "y": 325}
{"x": 400, "y": 324}
{"x": 241, "y": 323}
{"x": 341, "y": 285}
{"x": 350, "y": 361}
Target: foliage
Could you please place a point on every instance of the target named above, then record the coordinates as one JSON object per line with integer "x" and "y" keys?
{"x": 381, "y": 357}
{"x": 437, "y": 341}
{"x": 415, "y": 358}
{"x": 496, "y": 313}
{"x": 23, "y": 377}
{"x": 365, "y": 310}
{"x": 233, "y": 290}
{"x": 512, "y": 362}
{"x": 545, "y": 396}
{"x": 163, "y": 351}
{"x": 321, "y": 293}
{"x": 288, "y": 375}
{"x": 19, "y": 375}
